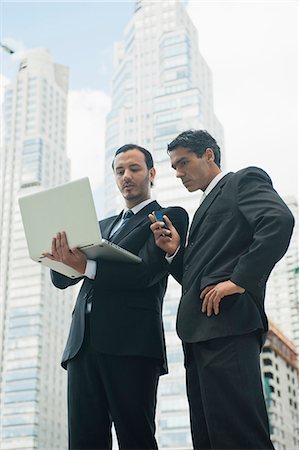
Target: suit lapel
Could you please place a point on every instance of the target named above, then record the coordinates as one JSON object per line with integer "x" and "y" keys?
{"x": 136, "y": 221}
{"x": 203, "y": 208}
{"x": 106, "y": 229}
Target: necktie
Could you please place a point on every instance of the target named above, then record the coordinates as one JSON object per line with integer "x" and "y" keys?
{"x": 125, "y": 219}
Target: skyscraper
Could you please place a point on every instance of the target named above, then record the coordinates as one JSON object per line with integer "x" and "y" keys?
{"x": 282, "y": 294}
{"x": 34, "y": 316}
{"x": 161, "y": 86}
{"x": 279, "y": 365}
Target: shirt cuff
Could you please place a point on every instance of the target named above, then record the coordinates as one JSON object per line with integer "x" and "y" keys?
{"x": 169, "y": 259}
{"x": 91, "y": 269}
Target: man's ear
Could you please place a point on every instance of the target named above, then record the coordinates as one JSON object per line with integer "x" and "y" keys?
{"x": 210, "y": 154}
{"x": 152, "y": 174}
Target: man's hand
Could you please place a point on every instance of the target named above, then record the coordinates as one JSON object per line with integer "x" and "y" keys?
{"x": 212, "y": 295}
{"x": 62, "y": 253}
{"x": 167, "y": 240}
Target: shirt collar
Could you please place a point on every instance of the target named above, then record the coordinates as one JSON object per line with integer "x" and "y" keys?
{"x": 214, "y": 182}
{"x": 138, "y": 207}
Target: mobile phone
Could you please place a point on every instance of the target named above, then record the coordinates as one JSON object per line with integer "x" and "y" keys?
{"x": 158, "y": 215}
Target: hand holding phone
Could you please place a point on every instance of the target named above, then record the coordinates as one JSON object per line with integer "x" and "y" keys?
{"x": 170, "y": 245}
{"x": 159, "y": 218}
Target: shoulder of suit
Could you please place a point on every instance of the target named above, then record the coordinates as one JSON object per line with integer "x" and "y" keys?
{"x": 108, "y": 220}
{"x": 178, "y": 210}
{"x": 253, "y": 172}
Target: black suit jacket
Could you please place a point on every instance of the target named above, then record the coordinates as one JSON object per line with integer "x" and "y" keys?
{"x": 238, "y": 233}
{"x": 126, "y": 315}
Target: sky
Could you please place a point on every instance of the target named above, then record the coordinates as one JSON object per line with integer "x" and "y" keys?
{"x": 250, "y": 47}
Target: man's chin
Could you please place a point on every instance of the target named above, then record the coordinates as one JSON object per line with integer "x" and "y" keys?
{"x": 192, "y": 188}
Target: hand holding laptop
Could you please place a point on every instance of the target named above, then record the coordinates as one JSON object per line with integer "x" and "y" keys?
{"x": 61, "y": 252}
{"x": 67, "y": 207}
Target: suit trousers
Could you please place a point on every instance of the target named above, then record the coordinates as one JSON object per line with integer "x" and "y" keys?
{"x": 104, "y": 388}
{"x": 225, "y": 394}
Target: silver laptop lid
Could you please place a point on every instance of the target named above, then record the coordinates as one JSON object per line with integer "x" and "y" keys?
{"x": 68, "y": 208}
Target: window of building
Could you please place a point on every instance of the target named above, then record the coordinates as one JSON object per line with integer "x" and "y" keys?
{"x": 32, "y": 162}
{"x": 267, "y": 362}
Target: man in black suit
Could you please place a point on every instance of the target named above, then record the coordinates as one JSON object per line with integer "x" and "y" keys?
{"x": 115, "y": 351}
{"x": 239, "y": 232}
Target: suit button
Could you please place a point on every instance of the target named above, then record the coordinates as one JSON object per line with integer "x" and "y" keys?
{"x": 191, "y": 244}
{"x": 186, "y": 267}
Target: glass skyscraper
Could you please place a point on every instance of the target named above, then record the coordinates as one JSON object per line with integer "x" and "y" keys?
{"x": 161, "y": 86}
{"x": 34, "y": 316}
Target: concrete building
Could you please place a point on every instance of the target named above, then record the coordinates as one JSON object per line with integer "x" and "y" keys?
{"x": 161, "y": 86}
{"x": 279, "y": 365}
{"x": 34, "y": 317}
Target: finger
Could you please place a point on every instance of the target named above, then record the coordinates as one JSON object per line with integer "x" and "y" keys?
{"x": 205, "y": 303}
{"x": 210, "y": 304}
{"x": 151, "y": 218}
{"x": 48, "y": 255}
{"x": 206, "y": 300}
{"x": 206, "y": 290}
{"x": 64, "y": 245}
{"x": 58, "y": 244}
{"x": 168, "y": 222}
{"x": 156, "y": 226}
{"x": 54, "y": 250}
{"x": 162, "y": 237}
{"x": 161, "y": 233}
{"x": 216, "y": 306}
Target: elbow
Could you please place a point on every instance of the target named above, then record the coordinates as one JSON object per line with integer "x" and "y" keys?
{"x": 58, "y": 280}
{"x": 288, "y": 222}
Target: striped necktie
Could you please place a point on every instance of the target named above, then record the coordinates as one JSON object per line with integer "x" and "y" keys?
{"x": 125, "y": 219}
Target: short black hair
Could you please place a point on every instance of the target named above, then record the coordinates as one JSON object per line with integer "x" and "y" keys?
{"x": 147, "y": 155}
{"x": 197, "y": 141}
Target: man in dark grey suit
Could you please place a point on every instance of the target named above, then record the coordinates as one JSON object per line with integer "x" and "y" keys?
{"x": 239, "y": 232}
{"x": 115, "y": 351}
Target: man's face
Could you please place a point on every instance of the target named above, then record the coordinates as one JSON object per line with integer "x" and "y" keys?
{"x": 132, "y": 176}
{"x": 195, "y": 172}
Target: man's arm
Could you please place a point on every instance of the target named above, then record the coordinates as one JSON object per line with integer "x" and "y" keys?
{"x": 153, "y": 266}
{"x": 171, "y": 243}
{"x": 129, "y": 275}
{"x": 272, "y": 223}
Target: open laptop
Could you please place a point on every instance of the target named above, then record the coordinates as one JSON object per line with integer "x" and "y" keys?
{"x": 70, "y": 208}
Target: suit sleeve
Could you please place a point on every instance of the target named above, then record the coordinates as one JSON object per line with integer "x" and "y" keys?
{"x": 176, "y": 266}
{"x": 153, "y": 266}
{"x": 61, "y": 281}
{"x": 271, "y": 222}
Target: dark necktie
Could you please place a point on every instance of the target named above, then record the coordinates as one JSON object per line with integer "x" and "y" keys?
{"x": 126, "y": 217}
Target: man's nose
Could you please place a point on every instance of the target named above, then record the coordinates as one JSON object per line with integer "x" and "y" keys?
{"x": 178, "y": 173}
{"x": 127, "y": 174}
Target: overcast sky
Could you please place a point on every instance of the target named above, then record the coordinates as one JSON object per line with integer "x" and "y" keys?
{"x": 251, "y": 48}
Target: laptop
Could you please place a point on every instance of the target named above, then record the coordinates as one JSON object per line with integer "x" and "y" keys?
{"x": 70, "y": 208}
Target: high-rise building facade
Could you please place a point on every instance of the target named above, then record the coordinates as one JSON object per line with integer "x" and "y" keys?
{"x": 34, "y": 316}
{"x": 282, "y": 293}
{"x": 161, "y": 86}
{"x": 279, "y": 364}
